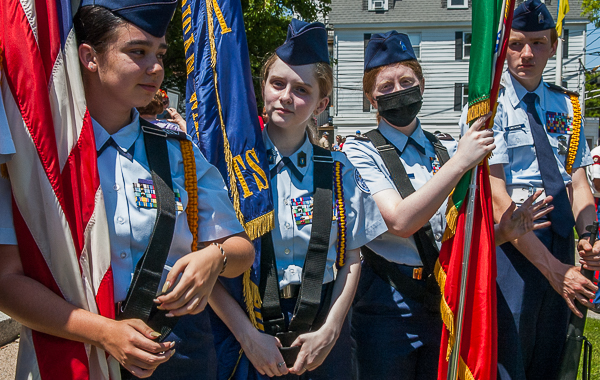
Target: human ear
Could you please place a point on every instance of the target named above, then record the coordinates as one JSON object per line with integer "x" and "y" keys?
{"x": 554, "y": 47}
{"x": 87, "y": 57}
{"x": 372, "y": 101}
{"x": 321, "y": 106}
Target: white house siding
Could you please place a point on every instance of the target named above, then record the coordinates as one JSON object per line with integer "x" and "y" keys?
{"x": 440, "y": 68}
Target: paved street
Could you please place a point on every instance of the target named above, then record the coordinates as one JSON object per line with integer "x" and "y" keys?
{"x": 8, "y": 360}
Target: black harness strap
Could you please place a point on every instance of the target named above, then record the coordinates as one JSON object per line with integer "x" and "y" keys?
{"x": 148, "y": 272}
{"x": 428, "y": 250}
{"x": 309, "y": 299}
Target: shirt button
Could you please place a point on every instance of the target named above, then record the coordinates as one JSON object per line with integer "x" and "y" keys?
{"x": 287, "y": 251}
{"x": 116, "y": 187}
{"x": 123, "y": 255}
{"x": 518, "y": 140}
{"x": 120, "y": 220}
{"x": 438, "y": 236}
{"x": 287, "y": 225}
{"x": 286, "y": 202}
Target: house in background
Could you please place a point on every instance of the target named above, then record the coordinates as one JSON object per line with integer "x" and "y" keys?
{"x": 440, "y": 32}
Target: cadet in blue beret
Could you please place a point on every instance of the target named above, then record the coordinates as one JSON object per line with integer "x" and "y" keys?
{"x": 396, "y": 320}
{"x": 540, "y": 145}
{"x": 121, "y": 46}
{"x": 297, "y": 81}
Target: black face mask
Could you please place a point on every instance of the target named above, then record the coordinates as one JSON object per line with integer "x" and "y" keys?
{"x": 400, "y": 108}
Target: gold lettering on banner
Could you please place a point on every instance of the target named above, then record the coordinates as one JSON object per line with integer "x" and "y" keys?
{"x": 224, "y": 28}
{"x": 253, "y": 162}
{"x": 239, "y": 161}
{"x": 190, "y": 64}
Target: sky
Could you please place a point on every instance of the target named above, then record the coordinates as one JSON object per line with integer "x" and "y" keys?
{"x": 593, "y": 45}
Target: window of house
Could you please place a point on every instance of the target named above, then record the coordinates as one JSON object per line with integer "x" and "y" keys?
{"x": 462, "y": 45}
{"x": 460, "y": 4}
{"x": 461, "y": 96}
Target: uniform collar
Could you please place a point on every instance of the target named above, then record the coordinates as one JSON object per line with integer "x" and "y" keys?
{"x": 305, "y": 152}
{"x": 399, "y": 139}
{"x": 125, "y": 137}
{"x": 518, "y": 91}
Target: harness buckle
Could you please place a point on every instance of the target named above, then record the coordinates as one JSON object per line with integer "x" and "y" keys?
{"x": 154, "y": 131}
{"x": 386, "y": 147}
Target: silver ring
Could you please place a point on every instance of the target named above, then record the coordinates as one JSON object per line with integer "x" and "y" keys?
{"x": 279, "y": 365}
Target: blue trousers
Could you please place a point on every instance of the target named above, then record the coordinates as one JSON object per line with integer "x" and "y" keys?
{"x": 395, "y": 337}
{"x": 338, "y": 364}
{"x": 194, "y": 356}
{"x": 532, "y": 316}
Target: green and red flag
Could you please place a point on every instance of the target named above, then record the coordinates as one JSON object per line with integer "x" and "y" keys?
{"x": 478, "y": 342}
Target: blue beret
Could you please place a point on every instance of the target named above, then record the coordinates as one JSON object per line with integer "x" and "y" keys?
{"x": 390, "y": 47}
{"x": 152, "y": 17}
{"x": 306, "y": 43}
{"x": 532, "y": 16}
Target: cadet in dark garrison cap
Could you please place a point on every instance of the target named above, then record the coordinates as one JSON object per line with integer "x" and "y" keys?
{"x": 311, "y": 259}
{"x": 396, "y": 320}
{"x": 540, "y": 145}
{"x": 121, "y": 46}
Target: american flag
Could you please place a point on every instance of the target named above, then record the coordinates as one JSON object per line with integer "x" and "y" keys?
{"x": 58, "y": 204}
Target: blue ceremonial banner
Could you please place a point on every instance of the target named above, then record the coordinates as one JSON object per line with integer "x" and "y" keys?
{"x": 222, "y": 119}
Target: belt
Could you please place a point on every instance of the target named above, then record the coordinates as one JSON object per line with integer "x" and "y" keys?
{"x": 289, "y": 291}
{"x": 520, "y": 193}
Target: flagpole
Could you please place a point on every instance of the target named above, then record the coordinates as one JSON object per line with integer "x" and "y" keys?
{"x": 453, "y": 363}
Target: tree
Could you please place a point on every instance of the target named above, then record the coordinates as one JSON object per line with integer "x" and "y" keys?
{"x": 592, "y": 83}
{"x": 266, "y": 24}
{"x": 591, "y": 9}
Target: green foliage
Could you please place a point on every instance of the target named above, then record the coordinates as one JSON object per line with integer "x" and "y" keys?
{"x": 591, "y": 9}
{"x": 592, "y": 83}
{"x": 266, "y": 24}
{"x": 592, "y": 332}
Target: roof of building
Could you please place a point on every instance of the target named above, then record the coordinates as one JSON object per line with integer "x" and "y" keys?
{"x": 418, "y": 11}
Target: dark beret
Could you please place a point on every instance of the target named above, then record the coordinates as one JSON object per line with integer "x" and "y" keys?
{"x": 532, "y": 16}
{"x": 151, "y": 16}
{"x": 306, "y": 43}
{"x": 387, "y": 48}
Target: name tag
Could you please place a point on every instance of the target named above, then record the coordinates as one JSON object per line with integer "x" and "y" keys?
{"x": 145, "y": 195}
{"x": 559, "y": 123}
{"x": 411, "y": 175}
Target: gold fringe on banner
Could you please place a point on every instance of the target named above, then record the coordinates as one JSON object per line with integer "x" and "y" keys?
{"x": 253, "y": 301}
{"x": 447, "y": 314}
{"x": 574, "y": 143}
{"x": 478, "y": 109}
{"x": 464, "y": 373}
{"x": 260, "y": 226}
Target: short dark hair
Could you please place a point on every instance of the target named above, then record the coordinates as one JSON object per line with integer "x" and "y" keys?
{"x": 96, "y": 26}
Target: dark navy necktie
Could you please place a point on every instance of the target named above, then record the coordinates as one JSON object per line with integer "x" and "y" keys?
{"x": 111, "y": 142}
{"x": 412, "y": 142}
{"x": 285, "y": 161}
{"x": 562, "y": 215}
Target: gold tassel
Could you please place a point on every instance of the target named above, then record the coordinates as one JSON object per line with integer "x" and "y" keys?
{"x": 191, "y": 186}
{"x": 464, "y": 373}
{"x": 574, "y": 143}
{"x": 451, "y": 220}
{"x": 3, "y": 171}
{"x": 252, "y": 299}
{"x": 446, "y": 312}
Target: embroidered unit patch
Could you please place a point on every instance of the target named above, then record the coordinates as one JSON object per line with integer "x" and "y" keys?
{"x": 559, "y": 123}
{"x": 302, "y": 210}
{"x": 360, "y": 183}
{"x": 435, "y": 164}
{"x": 145, "y": 196}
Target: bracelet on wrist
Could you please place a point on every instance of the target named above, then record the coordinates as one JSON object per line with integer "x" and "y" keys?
{"x": 220, "y": 246}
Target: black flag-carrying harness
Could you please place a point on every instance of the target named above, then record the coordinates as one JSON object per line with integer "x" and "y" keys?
{"x": 424, "y": 239}
{"x": 309, "y": 299}
{"x": 148, "y": 272}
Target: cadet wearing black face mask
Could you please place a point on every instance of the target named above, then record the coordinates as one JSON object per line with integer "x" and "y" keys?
{"x": 397, "y": 300}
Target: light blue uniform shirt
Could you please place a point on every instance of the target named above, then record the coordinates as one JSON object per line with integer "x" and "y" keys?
{"x": 512, "y": 133}
{"x": 130, "y": 226}
{"x": 365, "y": 157}
{"x": 290, "y": 241}
{"x": 7, "y": 147}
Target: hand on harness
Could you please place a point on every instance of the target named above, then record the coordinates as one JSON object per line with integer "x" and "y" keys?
{"x": 199, "y": 271}
{"x": 314, "y": 348}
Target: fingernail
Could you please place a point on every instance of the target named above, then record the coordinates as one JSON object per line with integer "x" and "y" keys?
{"x": 172, "y": 344}
{"x": 172, "y": 352}
{"x": 166, "y": 286}
{"x": 169, "y": 315}
{"x": 156, "y": 300}
{"x": 159, "y": 307}
{"x": 154, "y": 334}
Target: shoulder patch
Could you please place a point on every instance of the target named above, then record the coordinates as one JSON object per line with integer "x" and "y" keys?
{"x": 361, "y": 138}
{"x": 360, "y": 183}
{"x": 558, "y": 88}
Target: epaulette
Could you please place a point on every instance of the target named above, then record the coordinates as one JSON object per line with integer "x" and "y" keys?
{"x": 444, "y": 136}
{"x": 558, "y": 88}
{"x": 166, "y": 132}
{"x": 359, "y": 138}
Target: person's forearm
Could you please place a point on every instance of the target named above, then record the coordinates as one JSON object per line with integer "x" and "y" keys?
{"x": 583, "y": 201}
{"x": 230, "y": 312}
{"x": 240, "y": 255}
{"x": 344, "y": 289}
{"x": 40, "y": 309}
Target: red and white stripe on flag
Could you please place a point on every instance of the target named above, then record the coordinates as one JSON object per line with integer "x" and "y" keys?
{"x": 57, "y": 201}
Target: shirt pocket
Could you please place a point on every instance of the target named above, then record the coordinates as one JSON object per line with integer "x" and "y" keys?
{"x": 517, "y": 136}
